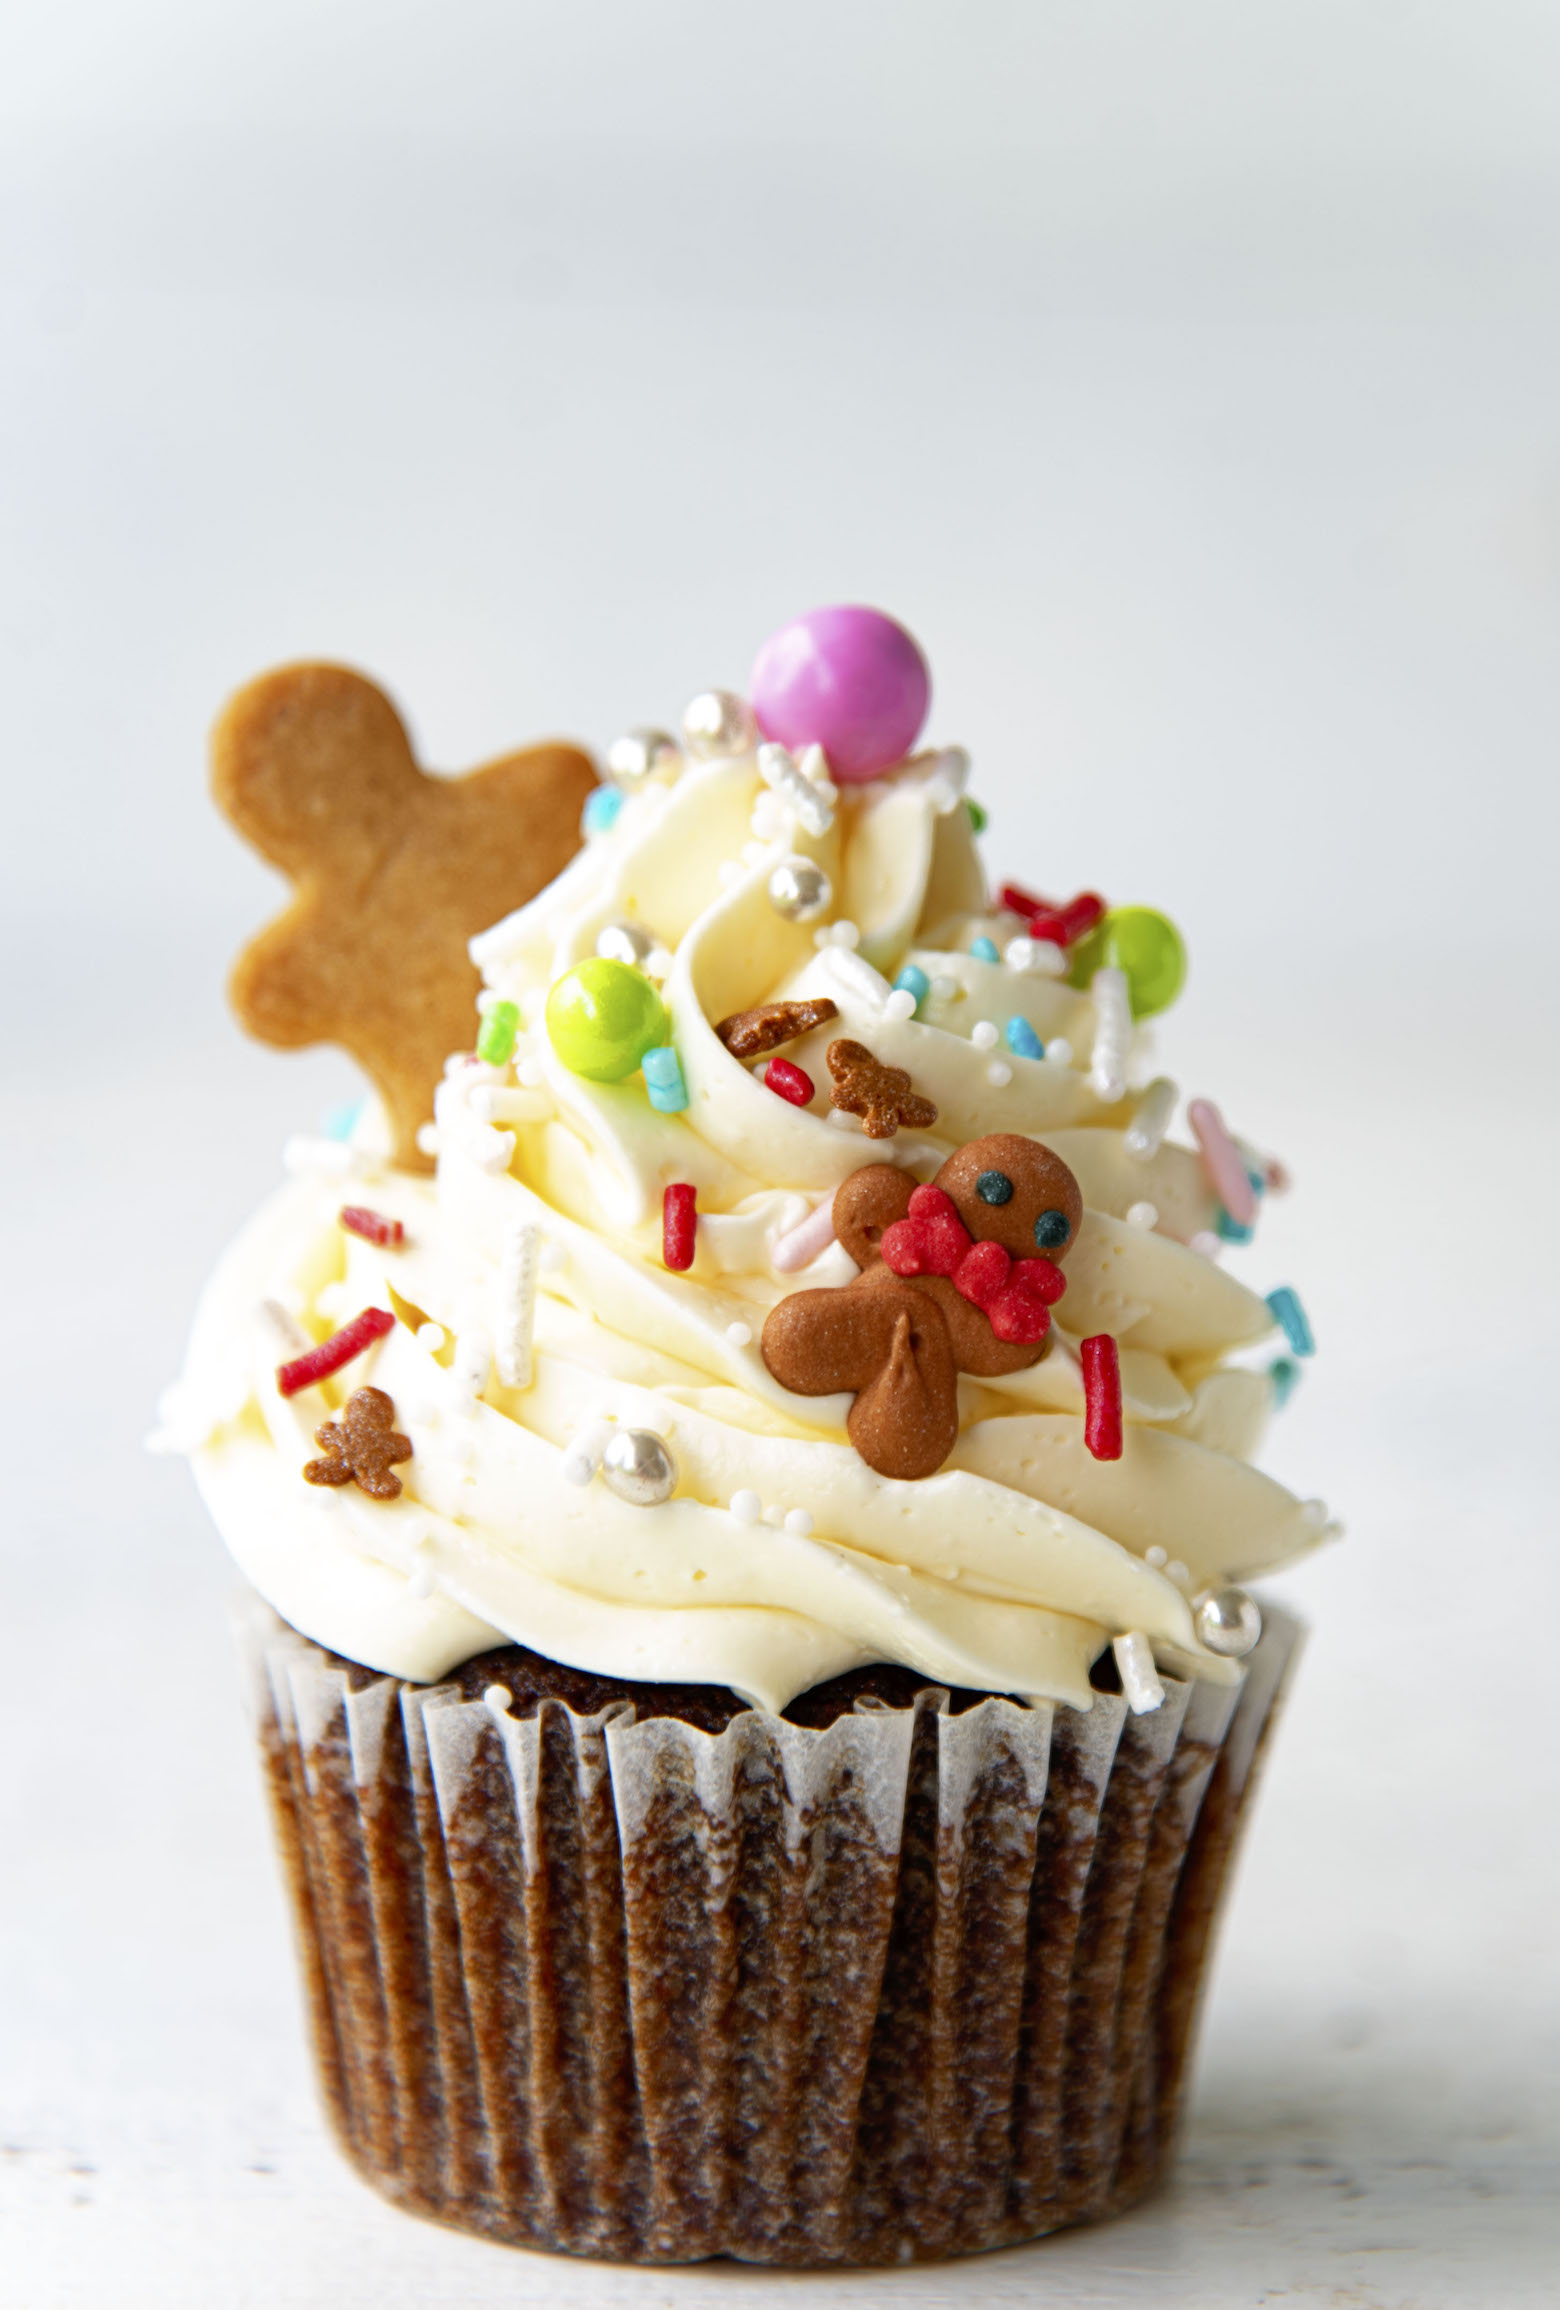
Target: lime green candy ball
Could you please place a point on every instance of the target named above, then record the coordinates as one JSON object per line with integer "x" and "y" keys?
{"x": 602, "y": 1017}
{"x": 1143, "y": 944}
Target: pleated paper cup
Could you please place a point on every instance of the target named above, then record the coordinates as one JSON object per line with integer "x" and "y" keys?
{"x": 914, "y": 1984}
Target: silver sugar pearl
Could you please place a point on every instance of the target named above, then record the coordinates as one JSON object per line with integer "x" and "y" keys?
{"x": 625, "y": 942}
{"x": 718, "y": 722}
{"x": 639, "y": 754}
{"x": 637, "y": 1466}
{"x": 800, "y": 890}
{"x": 1228, "y": 1622}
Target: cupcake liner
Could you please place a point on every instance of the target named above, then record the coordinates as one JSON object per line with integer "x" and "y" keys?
{"x": 913, "y": 1985}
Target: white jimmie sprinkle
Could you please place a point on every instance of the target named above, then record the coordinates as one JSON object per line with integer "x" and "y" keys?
{"x": 517, "y": 1302}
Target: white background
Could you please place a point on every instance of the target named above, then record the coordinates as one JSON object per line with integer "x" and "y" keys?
{"x": 1186, "y": 378}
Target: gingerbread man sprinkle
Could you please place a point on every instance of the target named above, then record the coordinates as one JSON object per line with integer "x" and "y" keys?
{"x": 958, "y": 1276}
{"x": 880, "y": 1095}
{"x": 394, "y": 873}
{"x": 361, "y": 1447}
{"x": 749, "y": 1034}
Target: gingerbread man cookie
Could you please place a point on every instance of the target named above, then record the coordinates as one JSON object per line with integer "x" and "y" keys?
{"x": 395, "y": 872}
{"x": 957, "y": 1276}
{"x": 361, "y": 1447}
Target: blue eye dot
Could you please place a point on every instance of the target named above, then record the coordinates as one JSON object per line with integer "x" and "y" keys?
{"x": 1051, "y": 1230}
{"x": 994, "y": 1187}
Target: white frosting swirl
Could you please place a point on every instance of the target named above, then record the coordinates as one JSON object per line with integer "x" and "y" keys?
{"x": 1009, "y": 1570}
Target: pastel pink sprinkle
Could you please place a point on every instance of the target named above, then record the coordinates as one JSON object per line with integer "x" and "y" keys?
{"x": 1222, "y": 1161}
{"x": 801, "y": 1247}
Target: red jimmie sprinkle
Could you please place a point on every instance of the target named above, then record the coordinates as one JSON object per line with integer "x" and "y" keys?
{"x": 373, "y": 1226}
{"x": 789, "y": 1082}
{"x": 679, "y": 1223}
{"x": 332, "y": 1353}
{"x": 1101, "y": 1395}
{"x": 1017, "y": 900}
{"x": 1062, "y": 925}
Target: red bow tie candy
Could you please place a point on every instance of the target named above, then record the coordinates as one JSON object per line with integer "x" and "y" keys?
{"x": 1015, "y": 1295}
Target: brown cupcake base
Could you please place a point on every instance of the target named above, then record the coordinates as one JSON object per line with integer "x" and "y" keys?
{"x": 889, "y": 1984}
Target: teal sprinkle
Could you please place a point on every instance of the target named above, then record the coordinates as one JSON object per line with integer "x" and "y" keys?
{"x": 913, "y": 981}
{"x": 664, "y": 1080}
{"x": 601, "y": 809}
{"x": 1231, "y": 1230}
{"x": 980, "y": 817}
{"x": 496, "y": 1042}
{"x": 1289, "y": 1315}
{"x": 984, "y": 950}
{"x": 1258, "y": 1181}
{"x": 1285, "y": 1376}
{"x": 341, "y": 1121}
{"x": 1022, "y": 1039}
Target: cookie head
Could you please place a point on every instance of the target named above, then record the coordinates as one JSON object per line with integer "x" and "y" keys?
{"x": 394, "y": 873}
{"x": 1014, "y": 1191}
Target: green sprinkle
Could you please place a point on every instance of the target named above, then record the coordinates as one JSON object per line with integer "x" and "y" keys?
{"x": 980, "y": 817}
{"x": 496, "y": 1043}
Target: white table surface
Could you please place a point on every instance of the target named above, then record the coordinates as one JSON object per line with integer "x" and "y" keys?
{"x": 1375, "y": 2121}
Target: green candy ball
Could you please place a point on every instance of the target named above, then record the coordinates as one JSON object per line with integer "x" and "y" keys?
{"x": 1143, "y": 944}
{"x": 602, "y": 1017}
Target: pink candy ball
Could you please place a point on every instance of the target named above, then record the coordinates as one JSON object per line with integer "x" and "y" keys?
{"x": 848, "y": 680}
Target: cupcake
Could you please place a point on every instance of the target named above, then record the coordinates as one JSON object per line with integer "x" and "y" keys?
{"x": 742, "y": 1457}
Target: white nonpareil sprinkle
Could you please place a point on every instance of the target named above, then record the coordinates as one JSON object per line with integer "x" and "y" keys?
{"x": 999, "y": 1074}
{"x": 1175, "y": 1570}
{"x": 747, "y": 1507}
{"x": 431, "y": 1336}
{"x": 1059, "y": 1051}
{"x": 517, "y": 1302}
{"x": 900, "y": 1004}
{"x": 844, "y": 933}
{"x": 1206, "y": 1242}
{"x": 1143, "y": 1215}
{"x": 799, "y": 1521}
{"x": 1139, "y": 1677}
{"x": 1112, "y": 1033}
{"x": 810, "y": 799}
{"x": 427, "y": 1138}
{"x": 843, "y": 1121}
{"x": 1145, "y": 1133}
{"x": 463, "y": 1129}
{"x": 739, "y": 1334}
{"x": 529, "y": 1073}
{"x": 984, "y": 1035}
{"x": 496, "y": 1701}
{"x": 943, "y": 988}
{"x": 1158, "y": 1557}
